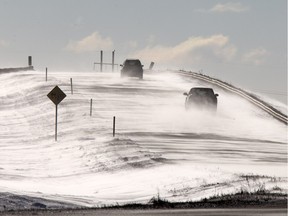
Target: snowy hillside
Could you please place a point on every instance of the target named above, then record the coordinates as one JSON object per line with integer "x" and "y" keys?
{"x": 158, "y": 147}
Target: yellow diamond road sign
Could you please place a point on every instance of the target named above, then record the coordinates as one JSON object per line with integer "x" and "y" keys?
{"x": 56, "y": 95}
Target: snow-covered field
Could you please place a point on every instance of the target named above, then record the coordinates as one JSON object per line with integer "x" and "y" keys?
{"x": 159, "y": 148}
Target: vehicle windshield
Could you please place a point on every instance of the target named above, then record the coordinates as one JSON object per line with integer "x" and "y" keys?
{"x": 202, "y": 91}
{"x": 132, "y": 62}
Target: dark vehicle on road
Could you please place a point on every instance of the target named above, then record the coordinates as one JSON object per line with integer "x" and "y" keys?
{"x": 132, "y": 68}
{"x": 201, "y": 98}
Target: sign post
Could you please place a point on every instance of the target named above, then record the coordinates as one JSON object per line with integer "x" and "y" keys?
{"x": 56, "y": 115}
{"x": 56, "y": 95}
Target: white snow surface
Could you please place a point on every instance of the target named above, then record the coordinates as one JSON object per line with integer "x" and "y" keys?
{"x": 159, "y": 148}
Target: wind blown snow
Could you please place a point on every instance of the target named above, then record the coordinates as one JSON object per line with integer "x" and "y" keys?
{"x": 158, "y": 148}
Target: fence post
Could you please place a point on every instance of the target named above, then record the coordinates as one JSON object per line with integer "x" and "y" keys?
{"x": 101, "y": 60}
{"x": 91, "y": 107}
{"x": 71, "y": 86}
{"x": 29, "y": 61}
{"x": 114, "y": 119}
{"x": 113, "y": 56}
{"x": 46, "y": 74}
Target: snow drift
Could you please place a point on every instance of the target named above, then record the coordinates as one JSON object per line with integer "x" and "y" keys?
{"x": 158, "y": 148}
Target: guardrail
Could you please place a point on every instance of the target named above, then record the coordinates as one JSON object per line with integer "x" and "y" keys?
{"x": 248, "y": 96}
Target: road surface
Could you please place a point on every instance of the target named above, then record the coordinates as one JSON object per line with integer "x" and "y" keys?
{"x": 179, "y": 212}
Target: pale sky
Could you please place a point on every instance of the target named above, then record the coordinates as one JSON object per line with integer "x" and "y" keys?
{"x": 242, "y": 42}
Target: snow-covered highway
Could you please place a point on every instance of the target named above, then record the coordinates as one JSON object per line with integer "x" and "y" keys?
{"x": 159, "y": 148}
